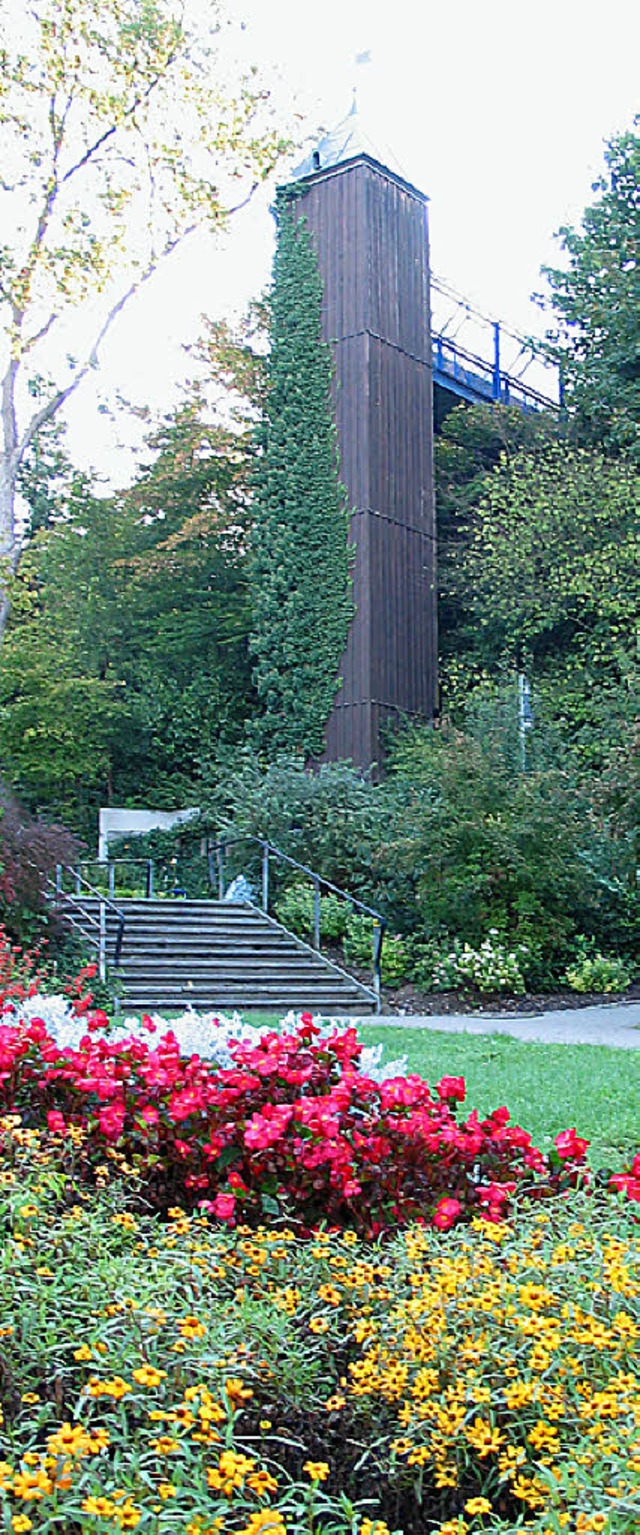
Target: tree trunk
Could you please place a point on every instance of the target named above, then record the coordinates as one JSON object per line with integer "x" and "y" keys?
{"x": 9, "y": 464}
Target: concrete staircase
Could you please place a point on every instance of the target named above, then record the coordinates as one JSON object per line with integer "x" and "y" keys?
{"x": 219, "y": 954}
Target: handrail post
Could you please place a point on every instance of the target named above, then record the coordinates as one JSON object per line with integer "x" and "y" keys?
{"x": 102, "y": 951}
{"x": 150, "y": 879}
{"x": 112, "y": 878}
{"x": 220, "y": 858}
{"x": 58, "y": 879}
{"x": 316, "y": 912}
{"x": 265, "y": 877}
{"x": 78, "y": 879}
{"x": 378, "y": 935}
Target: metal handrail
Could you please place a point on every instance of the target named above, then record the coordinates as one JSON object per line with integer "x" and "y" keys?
{"x": 111, "y": 864}
{"x": 105, "y": 904}
{"x": 481, "y": 365}
{"x": 218, "y": 850}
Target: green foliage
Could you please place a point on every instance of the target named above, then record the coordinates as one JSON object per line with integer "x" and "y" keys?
{"x": 295, "y": 910}
{"x": 476, "y": 844}
{"x": 125, "y": 691}
{"x": 595, "y": 297}
{"x": 594, "y": 972}
{"x": 121, "y": 132}
{"x": 471, "y": 444}
{"x": 554, "y": 563}
{"x": 301, "y": 586}
{"x": 328, "y": 819}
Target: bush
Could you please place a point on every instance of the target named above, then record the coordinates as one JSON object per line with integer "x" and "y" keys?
{"x": 29, "y": 852}
{"x": 295, "y": 910}
{"x": 473, "y": 843}
{"x": 490, "y": 968}
{"x": 597, "y": 972}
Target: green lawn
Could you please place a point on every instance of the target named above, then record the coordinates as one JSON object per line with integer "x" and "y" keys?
{"x": 546, "y": 1087}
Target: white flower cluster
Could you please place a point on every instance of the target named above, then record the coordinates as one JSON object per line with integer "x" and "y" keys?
{"x": 208, "y": 1035}
{"x": 491, "y": 967}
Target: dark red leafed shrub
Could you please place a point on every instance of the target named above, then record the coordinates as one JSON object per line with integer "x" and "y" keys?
{"x": 294, "y": 1124}
{"x": 29, "y": 852}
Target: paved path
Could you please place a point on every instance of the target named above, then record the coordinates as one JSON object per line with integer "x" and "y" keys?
{"x": 615, "y": 1024}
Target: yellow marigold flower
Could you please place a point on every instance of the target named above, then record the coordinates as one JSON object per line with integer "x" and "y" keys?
{"x": 267, "y": 1522}
{"x": 477, "y": 1506}
{"x": 265, "y": 1424}
{"x": 116, "y": 1388}
{"x": 166, "y": 1490}
{"x": 165, "y": 1445}
{"x": 82, "y": 1353}
{"x": 317, "y": 1470}
{"x": 236, "y": 1390}
{"x": 30, "y": 1397}
{"x": 261, "y": 1482}
{"x": 374, "y": 1527}
{"x": 330, "y": 1294}
{"x": 419, "y": 1456}
{"x": 319, "y": 1324}
{"x": 191, "y": 1327}
{"x": 32, "y": 1486}
{"x": 147, "y": 1375}
{"x": 335, "y": 1403}
{"x": 102, "y": 1508}
{"x": 484, "y": 1438}
{"x": 128, "y": 1516}
{"x": 21, "y": 1523}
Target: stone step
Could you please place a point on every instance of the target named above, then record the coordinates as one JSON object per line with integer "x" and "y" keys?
{"x": 215, "y": 954}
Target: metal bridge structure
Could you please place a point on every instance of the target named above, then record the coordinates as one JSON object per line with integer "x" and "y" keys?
{"x": 478, "y": 359}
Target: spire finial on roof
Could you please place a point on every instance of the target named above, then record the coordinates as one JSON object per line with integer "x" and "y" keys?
{"x": 346, "y": 141}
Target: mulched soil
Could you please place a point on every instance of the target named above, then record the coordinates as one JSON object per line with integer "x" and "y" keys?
{"x": 408, "y": 1000}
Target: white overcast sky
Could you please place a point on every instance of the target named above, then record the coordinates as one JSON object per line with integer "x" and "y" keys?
{"x": 496, "y": 109}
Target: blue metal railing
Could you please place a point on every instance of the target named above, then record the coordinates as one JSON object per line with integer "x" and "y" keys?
{"x": 473, "y": 378}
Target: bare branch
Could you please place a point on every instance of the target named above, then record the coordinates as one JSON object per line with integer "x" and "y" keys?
{"x": 109, "y": 133}
{"x": 32, "y": 341}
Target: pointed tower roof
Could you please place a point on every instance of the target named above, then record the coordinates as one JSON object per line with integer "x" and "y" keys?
{"x": 348, "y": 141}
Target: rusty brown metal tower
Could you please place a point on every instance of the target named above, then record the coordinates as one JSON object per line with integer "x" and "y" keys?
{"x": 370, "y": 230}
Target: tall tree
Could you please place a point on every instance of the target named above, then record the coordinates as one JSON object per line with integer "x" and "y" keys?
{"x": 595, "y": 298}
{"x": 118, "y": 138}
{"x": 551, "y": 581}
{"x": 301, "y": 582}
{"x": 125, "y": 661}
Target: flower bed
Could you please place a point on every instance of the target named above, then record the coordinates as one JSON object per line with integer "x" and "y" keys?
{"x": 182, "y": 1377}
{"x": 292, "y": 1122}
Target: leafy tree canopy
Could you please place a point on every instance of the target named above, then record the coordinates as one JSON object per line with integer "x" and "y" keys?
{"x": 595, "y": 298}
{"x": 125, "y": 661}
{"x": 119, "y": 135}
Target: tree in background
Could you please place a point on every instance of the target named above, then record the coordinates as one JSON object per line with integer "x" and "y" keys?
{"x": 472, "y": 442}
{"x": 596, "y": 303}
{"x": 118, "y": 140}
{"x": 551, "y": 583}
{"x": 125, "y": 661}
{"x": 300, "y": 572}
